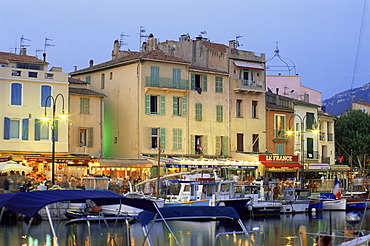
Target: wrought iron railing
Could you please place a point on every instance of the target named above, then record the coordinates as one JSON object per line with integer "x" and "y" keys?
{"x": 249, "y": 84}
{"x": 163, "y": 82}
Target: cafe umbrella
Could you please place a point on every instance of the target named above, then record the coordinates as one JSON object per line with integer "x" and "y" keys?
{"x": 13, "y": 166}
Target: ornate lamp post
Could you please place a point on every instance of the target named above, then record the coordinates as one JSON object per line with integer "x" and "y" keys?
{"x": 53, "y": 126}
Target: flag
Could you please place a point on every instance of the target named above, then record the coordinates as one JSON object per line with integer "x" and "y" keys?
{"x": 336, "y": 189}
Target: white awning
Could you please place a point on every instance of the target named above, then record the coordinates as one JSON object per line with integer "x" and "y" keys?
{"x": 249, "y": 65}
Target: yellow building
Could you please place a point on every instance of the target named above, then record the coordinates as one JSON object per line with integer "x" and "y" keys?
{"x": 26, "y": 87}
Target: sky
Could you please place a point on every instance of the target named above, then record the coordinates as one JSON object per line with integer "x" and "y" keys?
{"x": 327, "y": 41}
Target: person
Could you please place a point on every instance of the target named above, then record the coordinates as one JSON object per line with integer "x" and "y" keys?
{"x": 276, "y": 193}
{"x": 323, "y": 241}
{"x": 6, "y": 185}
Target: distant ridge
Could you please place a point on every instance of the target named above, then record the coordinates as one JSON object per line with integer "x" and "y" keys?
{"x": 339, "y": 103}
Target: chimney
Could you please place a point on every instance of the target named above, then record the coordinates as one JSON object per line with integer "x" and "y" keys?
{"x": 115, "y": 50}
{"x": 75, "y": 68}
{"x": 232, "y": 44}
{"x": 23, "y": 52}
{"x": 184, "y": 37}
{"x": 152, "y": 42}
{"x": 44, "y": 55}
{"x": 91, "y": 62}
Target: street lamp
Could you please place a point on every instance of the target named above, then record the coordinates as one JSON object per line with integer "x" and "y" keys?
{"x": 290, "y": 132}
{"x": 53, "y": 126}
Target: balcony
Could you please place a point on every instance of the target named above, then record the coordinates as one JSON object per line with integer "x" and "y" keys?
{"x": 19, "y": 73}
{"x": 311, "y": 155}
{"x": 243, "y": 85}
{"x": 325, "y": 160}
{"x": 161, "y": 82}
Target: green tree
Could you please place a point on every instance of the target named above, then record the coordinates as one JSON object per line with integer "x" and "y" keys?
{"x": 352, "y": 135}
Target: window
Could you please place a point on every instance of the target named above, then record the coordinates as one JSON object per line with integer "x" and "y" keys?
{"x": 32, "y": 74}
{"x": 45, "y": 93}
{"x": 239, "y": 108}
{"x": 255, "y": 144}
{"x": 310, "y": 121}
{"x": 219, "y": 113}
{"x": 179, "y": 106}
{"x": 176, "y": 77}
{"x": 280, "y": 126}
{"x": 49, "y": 76}
{"x": 310, "y": 152}
{"x": 240, "y": 142}
{"x": 254, "y": 109}
{"x": 222, "y": 145}
{"x": 88, "y": 79}
{"x": 154, "y": 138}
{"x": 43, "y": 130}
{"x": 219, "y": 84}
{"x": 29, "y": 66}
{"x": 84, "y": 105}
{"x": 177, "y": 139}
{"x": 280, "y": 149}
{"x": 198, "y": 111}
{"x": 15, "y": 128}
{"x": 199, "y": 144}
{"x": 199, "y": 82}
{"x": 111, "y": 75}
{"x": 247, "y": 77}
{"x": 102, "y": 81}
{"x": 16, "y": 73}
{"x": 86, "y": 137}
{"x": 154, "y": 75}
{"x": 155, "y": 104}
{"x": 16, "y": 94}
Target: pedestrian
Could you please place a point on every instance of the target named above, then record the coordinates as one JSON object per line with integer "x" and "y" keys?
{"x": 6, "y": 184}
{"x": 276, "y": 193}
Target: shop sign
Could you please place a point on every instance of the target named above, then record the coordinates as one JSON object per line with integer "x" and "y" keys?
{"x": 279, "y": 158}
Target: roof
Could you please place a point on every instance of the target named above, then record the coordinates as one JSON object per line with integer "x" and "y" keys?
{"x": 362, "y": 103}
{"x": 85, "y": 91}
{"x": 29, "y": 203}
{"x": 76, "y": 81}
{"x": 214, "y": 46}
{"x": 278, "y": 107}
{"x": 133, "y": 57}
{"x": 205, "y": 69}
{"x": 11, "y": 57}
{"x": 295, "y": 101}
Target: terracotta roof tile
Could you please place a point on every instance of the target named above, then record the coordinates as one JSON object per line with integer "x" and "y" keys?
{"x": 217, "y": 47}
{"x": 85, "y": 91}
{"x": 149, "y": 55}
{"x": 10, "y": 57}
{"x": 76, "y": 81}
{"x": 193, "y": 67}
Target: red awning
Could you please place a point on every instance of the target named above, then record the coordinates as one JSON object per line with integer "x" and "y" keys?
{"x": 282, "y": 165}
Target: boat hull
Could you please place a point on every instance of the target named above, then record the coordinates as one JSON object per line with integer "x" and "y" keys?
{"x": 298, "y": 206}
{"x": 334, "y": 204}
{"x": 356, "y": 204}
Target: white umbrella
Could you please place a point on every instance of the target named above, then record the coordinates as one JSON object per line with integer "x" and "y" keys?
{"x": 13, "y": 166}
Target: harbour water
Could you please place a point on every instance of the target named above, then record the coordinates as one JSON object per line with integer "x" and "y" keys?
{"x": 280, "y": 229}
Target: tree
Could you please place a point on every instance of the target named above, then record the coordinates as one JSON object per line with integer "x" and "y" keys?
{"x": 352, "y": 135}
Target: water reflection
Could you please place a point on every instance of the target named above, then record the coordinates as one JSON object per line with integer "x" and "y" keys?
{"x": 279, "y": 230}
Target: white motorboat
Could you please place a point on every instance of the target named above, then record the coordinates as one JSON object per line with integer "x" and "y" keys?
{"x": 295, "y": 201}
{"x": 332, "y": 204}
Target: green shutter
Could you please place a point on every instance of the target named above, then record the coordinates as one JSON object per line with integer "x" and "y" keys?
{"x": 90, "y": 137}
{"x": 163, "y": 104}
{"x": 280, "y": 149}
{"x": 218, "y": 145}
{"x": 219, "y": 86}
{"x": 219, "y": 113}
{"x": 37, "y": 129}
{"x": 205, "y": 83}
{"x": 198, "y": 111}
{"x": 225, "y": 146}
{"x": 175, "y": 111}
{"x": 184, "y": 106}
{"x": 192, "y": 144}
{"x": 192, "y": 85}
{"x": 147, "y": 103}
{"x": 179, "y": 139}
{"x": 205, "y": 144}
{"x": 163, "y": 138}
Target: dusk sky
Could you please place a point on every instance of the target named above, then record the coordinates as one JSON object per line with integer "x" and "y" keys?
{"x": 322, "y": 37}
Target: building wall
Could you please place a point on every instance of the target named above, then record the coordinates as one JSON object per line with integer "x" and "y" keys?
{"x": 327, "y": 141}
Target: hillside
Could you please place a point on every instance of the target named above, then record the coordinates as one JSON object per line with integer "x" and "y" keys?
{"x": 341, "y": 102}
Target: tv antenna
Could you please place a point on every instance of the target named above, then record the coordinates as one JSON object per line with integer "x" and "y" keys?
{"x": 237, "y": 44}
{"x": 47, "y": 44}
{"x": 22, "y": 45}
{"x": 143, "y": 36}
{"x": 122, "y": 39}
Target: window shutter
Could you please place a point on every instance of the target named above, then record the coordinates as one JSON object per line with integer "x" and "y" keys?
{"x": 184, "y": 106}
{"x": 25, "y": 123}
{"x": 192, "y": 85}
{"x": 219, "y": 113}
{"x": 205, "y": 82}
{"x": 163, "y": 104}
{"x": 37, "y": 129}
{"x": 175, "y": 111}
{"x": 45, "y": 92}
{"x": 179, "y": 139}
{"x": 218, "y": 145}
{"x": 198, "y": 111}
{"x": 163, "y": 138}
{"x": 56, "y": 130}
{"x": 16, "y": 94}
{"x": 225, "y": 146}
{"x": 6, "y": 128}
{"x": 147, "y": 103}
{"x": 154, "y": 73}
{"x": 280, "y": 149}
{"x": 205, "y": 144}
{"x": 91, "y": 137}
{"x": 192, "y": 144}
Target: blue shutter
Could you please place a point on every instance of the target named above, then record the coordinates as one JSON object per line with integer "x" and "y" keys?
{"x": 6, "y": 127}
{"x": 45, "y": 92}
{"x": 16, "y": 97}
{"x": 56, "y": 130}
{"x": 25, "y": 123}
{"x": 37, "y": 129}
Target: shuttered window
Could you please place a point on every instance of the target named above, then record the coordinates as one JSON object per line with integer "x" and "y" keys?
{"x": 219, "y": 113}
{"x": 177, "y": 139}
{"x": 198, "y": 111}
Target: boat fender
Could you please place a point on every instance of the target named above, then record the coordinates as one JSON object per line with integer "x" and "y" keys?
{"x": 250, "y": 207}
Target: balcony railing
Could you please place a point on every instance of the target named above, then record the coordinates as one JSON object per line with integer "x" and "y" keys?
{"x": 245, "y": 84}
{"x": 162, "y": 82}
{"x": 311, "y": 155}
{"x": 330, "y": 137}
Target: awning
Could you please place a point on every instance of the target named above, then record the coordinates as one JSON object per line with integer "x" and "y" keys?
{"x": 124, "y": 162}
{"x": 282, "y": 165}
{"x": 249, "y": 65}
{"x": 339, "y": 168}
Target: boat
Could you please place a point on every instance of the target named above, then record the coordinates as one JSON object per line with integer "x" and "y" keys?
{"x": 295, "y": 200}
{"x": 206, "y": 214}
{"x": 315, "y": 205}
{"x": 330, "y": 202}
{"x": 355, "y": 203}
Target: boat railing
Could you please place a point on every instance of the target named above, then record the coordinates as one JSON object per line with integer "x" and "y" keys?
{"x": 338, "y": 237}
{"x": 250, "y": 237}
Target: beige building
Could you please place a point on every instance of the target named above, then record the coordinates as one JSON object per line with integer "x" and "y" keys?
{"x": 26, "y": 87}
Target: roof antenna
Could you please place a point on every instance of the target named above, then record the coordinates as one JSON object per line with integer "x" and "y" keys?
{"x": 22, "y": 45}
{"x": 46, "y": 45}
{"x": 237, "y": 44}
{"x": 143, "y": 36}
{"x": 122, "y": 40}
